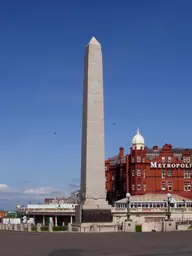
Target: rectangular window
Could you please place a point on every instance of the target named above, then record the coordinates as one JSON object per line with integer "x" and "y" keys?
{"x": 132, "y": 160}
{"x": 187, "y": 174}
{"x": 163, "y": 159}
{"x": 169, "y": 173}
{"x": 133, "y": 172}
{"x": 133, "y": 187}
{"x": 163, "y": 174}
{"x": 170, "y": 186}
{"x": 113, "y": 177}
{"x": 144, "y": 173}
{"x": 138, "y": 172}
{"x": 138, "y": 159}
{"x": 105, "y": 178}
{"x": 169, "y": 159}
{"x": 187, "y": 186}
{"x": 163, "y": 185}
{"x": 138, "y": 186}
{"x": 186, "y": 159}
{"x": 144, "y": 187}
{"x": 105, "y": 168}
{"x": 143, "y": 159}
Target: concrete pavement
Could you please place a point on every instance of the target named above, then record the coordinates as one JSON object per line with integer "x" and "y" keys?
{"x": 98, "y": 244}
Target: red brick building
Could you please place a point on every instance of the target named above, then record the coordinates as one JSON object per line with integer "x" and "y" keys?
{"x": 149, "y": 171}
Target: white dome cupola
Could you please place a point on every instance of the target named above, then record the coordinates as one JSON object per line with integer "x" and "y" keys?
{"x": 138, "y": 141}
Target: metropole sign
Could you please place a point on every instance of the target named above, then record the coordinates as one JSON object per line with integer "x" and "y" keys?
{"x": 155, "y": 165}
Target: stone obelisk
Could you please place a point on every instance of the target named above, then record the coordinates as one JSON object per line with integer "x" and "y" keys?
{"x": 92, "y": 192}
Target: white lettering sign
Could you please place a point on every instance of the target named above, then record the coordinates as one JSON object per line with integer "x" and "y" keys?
{"x": 155, "y": 165}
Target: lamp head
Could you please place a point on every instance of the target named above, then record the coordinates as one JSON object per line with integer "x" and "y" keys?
{"x": 168, "y": 195}
{"x": 128, "y": 195}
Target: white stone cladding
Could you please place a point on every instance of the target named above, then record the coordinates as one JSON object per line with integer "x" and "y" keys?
{"x": 93, "y": 158}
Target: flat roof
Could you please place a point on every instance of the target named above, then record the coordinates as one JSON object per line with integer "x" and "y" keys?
{"x": 153, "y": 198}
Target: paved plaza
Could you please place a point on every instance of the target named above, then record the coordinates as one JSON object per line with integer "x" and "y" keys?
{"x": 100, "y": 244}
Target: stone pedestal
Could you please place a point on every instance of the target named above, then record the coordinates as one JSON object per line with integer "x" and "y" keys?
{"x": 15, "y": 227}
{"x": 69, "y": 227}
{"x": 21, "y": 227}
{"x": 129, "y": 226}
{"x": 169, "y": 226}
{"x": 50, "y": 228}
{"x": 29, "y": 227}
{"x": 38, "y": 227}
{"x": 6, "y": 227}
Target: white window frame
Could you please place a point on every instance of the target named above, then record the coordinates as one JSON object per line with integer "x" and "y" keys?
{"x": 169, "y": 159}
{"x": 138, "y": 159}
{"x": 163, "y": 174}
{"x": 139, "y": 172}
{"x": 138, "y": 186}
{"x": 187, "y": 186}
{"x": 169, "y": 173}
{"x": 133, "y": 186}
{"x": 187, "y": 174}
{"x": 170, "y": 185}
{"x": 163, "y": 159}
{"x": 163, "y": 187}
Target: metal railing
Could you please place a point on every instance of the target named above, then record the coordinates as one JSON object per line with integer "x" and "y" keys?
{"x": 164, "y": 209}
{"x": 44, "y": 210}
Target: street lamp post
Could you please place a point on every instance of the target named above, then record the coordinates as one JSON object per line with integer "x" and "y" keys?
{"x": 169, "y": 197}
{"x": 128, "y": 206}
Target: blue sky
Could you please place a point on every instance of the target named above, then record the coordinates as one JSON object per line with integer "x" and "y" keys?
{"x": 147, "y": 83}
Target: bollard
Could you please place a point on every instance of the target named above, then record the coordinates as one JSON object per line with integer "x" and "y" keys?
{"x": 94, "y": 227}
{"x": 21, "y": 227}
{"x": 29, "y": 227}
{"x": 50, "y": 227}
{"x": 38, "y": 227}
{"x": 11, "y": 227}
{"x": 15, "y": 227}
{"x": 69, "y": 227}
{"x": 6, "y": 227}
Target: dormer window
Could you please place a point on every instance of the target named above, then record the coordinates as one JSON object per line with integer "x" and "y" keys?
{"x": 163, "y": 159}
{"x": 169, "y": 159}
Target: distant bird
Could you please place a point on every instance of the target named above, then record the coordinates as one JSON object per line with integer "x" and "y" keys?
{"x": 113, "y": 123}
{"x": 55, "y": 133}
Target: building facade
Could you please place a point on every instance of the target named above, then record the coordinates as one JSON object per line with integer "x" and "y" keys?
{"x": 149, "y": 171}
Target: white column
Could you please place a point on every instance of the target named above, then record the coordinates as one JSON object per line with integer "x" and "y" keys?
{"x": 71, "y": 219}
{"x": 43, "y": 220}
{"x": 56, "y": 221}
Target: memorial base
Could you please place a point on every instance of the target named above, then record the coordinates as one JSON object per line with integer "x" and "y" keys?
{"x": 93, "y": 213}
{"x": 94, "y": 218}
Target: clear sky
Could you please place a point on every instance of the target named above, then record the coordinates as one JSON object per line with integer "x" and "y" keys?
{"x": 147, "y": 54}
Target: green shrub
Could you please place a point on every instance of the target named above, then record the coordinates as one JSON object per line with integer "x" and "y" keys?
{"x": 138, "y": 228}
{"x": 59, "y": 228}
{"x": 34, "y": 228}
{"x": 44, "y": 228}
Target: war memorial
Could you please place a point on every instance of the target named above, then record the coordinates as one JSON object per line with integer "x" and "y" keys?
{"x": 95, "y": 230}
